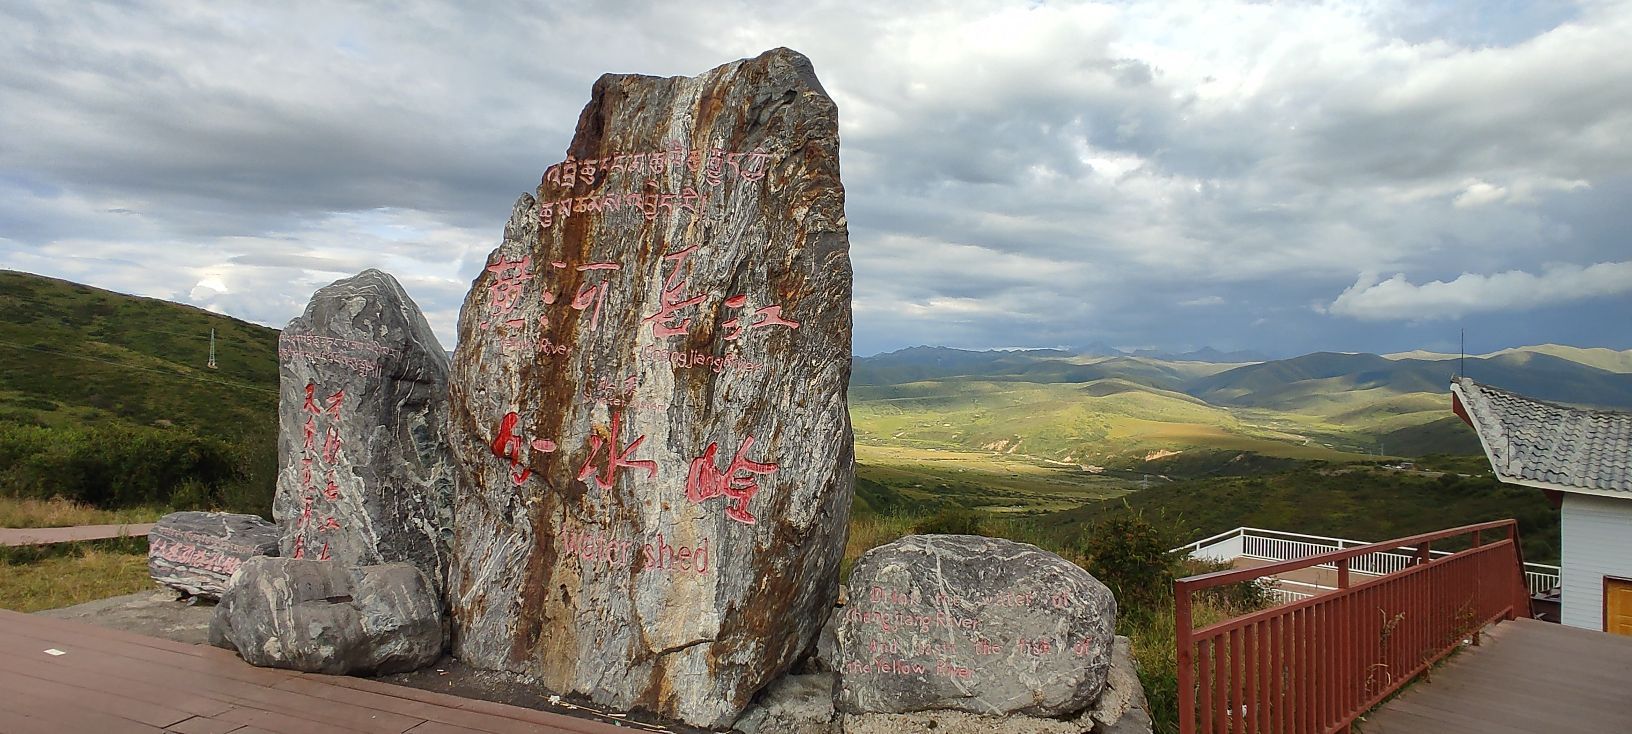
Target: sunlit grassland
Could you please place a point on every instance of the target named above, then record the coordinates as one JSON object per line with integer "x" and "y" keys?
{"x": 993, "y": 482}
{"x": 60, "y": 513}
{"x": 48, "y": 577}
{"x": 1103, "y": 423}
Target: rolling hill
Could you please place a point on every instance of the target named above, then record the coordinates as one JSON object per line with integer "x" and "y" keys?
{"x": 74, "y": 354}
{"x": 1290, "y": 384}
{"x": 1127, "y": 411}
{"x": 107, "y": 397}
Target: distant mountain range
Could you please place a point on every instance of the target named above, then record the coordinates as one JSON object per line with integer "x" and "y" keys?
{"x": 1549, "y": 372}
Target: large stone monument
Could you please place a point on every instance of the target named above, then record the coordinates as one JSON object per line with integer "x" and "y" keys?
{"x": 648, "y": 399}
{"x": 364, "y": 476}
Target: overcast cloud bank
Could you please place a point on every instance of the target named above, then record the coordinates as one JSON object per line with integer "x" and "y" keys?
{"x": 1172, "y": 174}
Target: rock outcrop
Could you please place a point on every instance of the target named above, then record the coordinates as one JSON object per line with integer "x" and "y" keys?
{"x": 322, "y": 617}
{"x": 975, "y": 624}
{"x": 196, "y": 552}
{"x": 364, "y": 473}
{"x": 648, "y": 399}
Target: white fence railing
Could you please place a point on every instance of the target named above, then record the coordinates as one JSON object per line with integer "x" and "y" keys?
{"x": 1276, "y": 545}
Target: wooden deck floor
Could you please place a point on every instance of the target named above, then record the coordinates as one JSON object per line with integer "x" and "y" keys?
{"x": 1528, "y": 676}
{"x": 46, "y": 536}
{"x": 61, "y": 677}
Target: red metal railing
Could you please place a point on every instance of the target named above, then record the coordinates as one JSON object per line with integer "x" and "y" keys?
{"x": 1316, "y": 664}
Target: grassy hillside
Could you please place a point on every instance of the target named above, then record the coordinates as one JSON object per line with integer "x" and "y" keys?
{"x": 919, "y": 364}
{"x": 1355, "y": 503}
{"x": 894, "y": 479}
{"x": 97, "y": 356}
{"x": 1109, "y": 423}
{"x": 106, "y": 398}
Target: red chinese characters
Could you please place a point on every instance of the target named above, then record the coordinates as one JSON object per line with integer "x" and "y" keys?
{"x": 737, "y": 482}
{"x": 309, "y": 456}
{"x": 508, "y": 444}
{"x": 509, "y": 280}
{"x": 772, "y": 317}
{"x": 617, "y": 458}
{"x": 667, "y": 322}
{"x": 593, "y": 294}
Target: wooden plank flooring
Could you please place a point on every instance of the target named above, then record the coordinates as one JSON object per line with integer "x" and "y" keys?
{"x": 1528, "y": 676}
{"x": 47, "y": 536}
{"x": 109, "y": 682}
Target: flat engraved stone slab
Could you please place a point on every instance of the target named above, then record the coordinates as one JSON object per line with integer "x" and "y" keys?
{"x": 648, "y": 399}
{"x": 975, "y": 624}
{"x": 197, "y": 552}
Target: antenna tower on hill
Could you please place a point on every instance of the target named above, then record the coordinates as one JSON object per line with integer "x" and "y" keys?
{"x": 211, "y": 363}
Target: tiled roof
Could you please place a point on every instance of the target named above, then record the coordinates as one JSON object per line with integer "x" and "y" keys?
{"x": 1571, "y": 448}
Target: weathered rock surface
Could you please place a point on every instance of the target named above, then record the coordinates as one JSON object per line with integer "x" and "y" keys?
{"x": 974, "y": 624}
{"x": 364, "y": 473}
{"x": 1122, "y": 707}
{"x": 957, "y": 722}
{"x": 322, "y": 617}
{"x": 648, "y": 399}
{"x": 196, "y": 552}
{"x": 154, "y": 613}
{"x": 793, "y": 704}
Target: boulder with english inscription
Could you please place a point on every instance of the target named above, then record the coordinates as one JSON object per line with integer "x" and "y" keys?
{"x": 364, "y": 472}
{"x": 970, "y": 623}
{"x": 196, "y": 552}
{"x": 648, "y": 399}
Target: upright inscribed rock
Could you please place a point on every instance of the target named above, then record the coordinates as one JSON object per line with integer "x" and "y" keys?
{"x": 648, "y": 398}
{"x": 364, "y": 476}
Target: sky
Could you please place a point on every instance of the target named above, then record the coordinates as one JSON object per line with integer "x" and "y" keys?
{"x": 1279, "y": 177}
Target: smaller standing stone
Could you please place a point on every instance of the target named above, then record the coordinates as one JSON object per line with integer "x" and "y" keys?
{"x": 319, "y": 617}
{"x": 975, "y": 624}
{"x": 364, "y": 475}
{"x": 196, "y": 552}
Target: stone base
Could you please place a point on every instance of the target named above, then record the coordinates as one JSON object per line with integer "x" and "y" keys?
{"x": 803, "y": 704}
{"x": 321, "y": 617}
{"x": 1121, "y": 708}
{"x": 793, "y": 704}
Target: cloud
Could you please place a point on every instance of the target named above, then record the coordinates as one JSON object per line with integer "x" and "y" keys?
{"x": 1049, "y": 173}
{"x": 1480, "y": 193}
{"x": 1397, "y": 299}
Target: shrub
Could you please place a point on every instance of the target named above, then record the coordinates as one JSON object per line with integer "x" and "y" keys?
{"x": 110, "y": 465}
{"x": 1130, "y": 555}
{"x": 952, "y": 521}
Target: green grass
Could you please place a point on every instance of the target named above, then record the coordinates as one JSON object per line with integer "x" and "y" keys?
{"x": 93, "y": 382}
{"x": 1106, "y": 423}
{"x": 64, "y": 574}
{"x": 61, "y": 513}
{"x": 1359, "y": 503}
{"x": 998, "y": 483}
